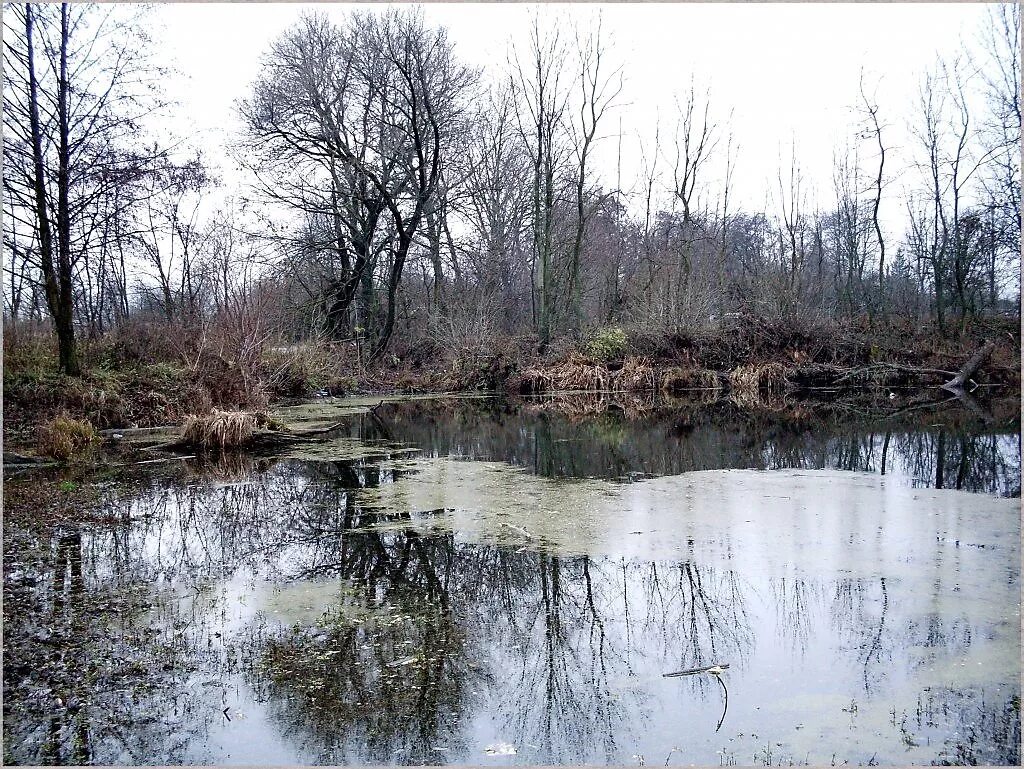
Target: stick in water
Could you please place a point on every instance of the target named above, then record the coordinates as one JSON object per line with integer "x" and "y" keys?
{"x": 714, "y": 670}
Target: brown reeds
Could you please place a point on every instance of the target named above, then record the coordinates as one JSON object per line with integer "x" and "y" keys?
{"x": 767, "y": 378}
{"x": 675, "y": 380}
{"x": 574, "y": 373}
{"x": 636, "y": 374}
{"x": 63, "y": 436}
{"x": 222, "y": 429}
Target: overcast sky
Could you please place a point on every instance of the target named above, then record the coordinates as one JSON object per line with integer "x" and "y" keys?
{"x": 787, "y": 71}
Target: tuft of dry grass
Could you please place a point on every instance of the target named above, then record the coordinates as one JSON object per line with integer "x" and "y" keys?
{"x": 576, "y": 373}
{"x": 675, "y": 380}
{"x": 63, "y": 436}
{"x": 222, "y": 429}
{"x": 768, "y": 378}
{"x": 636, "y": 374}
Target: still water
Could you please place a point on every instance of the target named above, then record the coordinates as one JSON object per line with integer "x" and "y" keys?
{"x": 482, "y": 582}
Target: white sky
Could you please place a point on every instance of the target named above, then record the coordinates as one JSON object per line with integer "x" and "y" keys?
{"x": 786, "y": 70}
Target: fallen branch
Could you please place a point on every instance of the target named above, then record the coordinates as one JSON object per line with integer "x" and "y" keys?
{"x": 10, "y": 458}
{"x": 114, "y": 432}
{"x": 712, "y": 669}
{"x": 519, "y": 530}
{"x": 970, "y": 367}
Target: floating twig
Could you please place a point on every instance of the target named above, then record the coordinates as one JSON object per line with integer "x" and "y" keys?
{"x": 714, "y": 670}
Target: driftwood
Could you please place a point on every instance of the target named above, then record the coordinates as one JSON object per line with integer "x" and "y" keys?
{"x": 518, "y": 530}
{"x": 712, "y": 669}
{"x": 715, "y": 671}
{"x": 970, "y": 367}
{"x": 882, "y": 375}
{"x": 10, "y": 458}
{"x": 115, "y": 432}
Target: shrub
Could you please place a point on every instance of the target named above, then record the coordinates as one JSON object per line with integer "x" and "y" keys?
{"x": 63, "y": 436}
{"x": 300, "y": 369}
{"x": 606, "y": 343}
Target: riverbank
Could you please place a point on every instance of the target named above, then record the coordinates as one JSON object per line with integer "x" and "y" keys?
{"x": 750, "y": 362}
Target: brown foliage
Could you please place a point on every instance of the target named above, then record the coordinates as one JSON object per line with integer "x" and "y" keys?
{"x": 222, "y": 429}
{"x": 636, "y": 374}
{"x": 676, "y": 379}
{"x": 768, "y": 378}
{"x": 63, "y": 436}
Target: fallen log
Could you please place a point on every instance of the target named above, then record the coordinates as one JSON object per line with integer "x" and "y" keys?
{"x": 712, "y": 669}
{"x": 971, "y": 367}
{"x": 11, "y": 458}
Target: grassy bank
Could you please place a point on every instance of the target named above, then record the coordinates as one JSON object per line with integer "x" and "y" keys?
{"x": 132, "y": 382}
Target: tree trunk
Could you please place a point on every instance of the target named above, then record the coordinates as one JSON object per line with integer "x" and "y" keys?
{"x": 976, "y": 361}
{"x": 65, "y": 306}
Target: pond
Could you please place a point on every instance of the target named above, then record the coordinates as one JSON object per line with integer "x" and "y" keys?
{"x": 479, "y": 581}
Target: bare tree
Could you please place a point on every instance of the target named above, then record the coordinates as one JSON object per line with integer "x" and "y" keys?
{"x": 351, "y": 123}
{"x": 695, "y": 141}
{"x": 792, "y": 201}
{"x": 78, "y": 81}
{"x": 598, "y": 91}
{"x": 537, "y": 85}
{"x": 874, "y": 130}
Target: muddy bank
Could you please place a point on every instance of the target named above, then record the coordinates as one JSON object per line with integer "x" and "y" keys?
{"x": 743, "y": 357}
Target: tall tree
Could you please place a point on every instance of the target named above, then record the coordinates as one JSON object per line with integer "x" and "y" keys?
{"x": 78, "y": 83}
{"x": 542, "y": 98}
{"x": 599, "y": 86}
{"x": 351, "y": 124}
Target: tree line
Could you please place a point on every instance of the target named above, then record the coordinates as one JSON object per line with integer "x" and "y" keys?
{"x": 394, "y": 194}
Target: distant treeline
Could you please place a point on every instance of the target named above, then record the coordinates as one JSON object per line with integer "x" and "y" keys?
{"x": 395, "y": 194}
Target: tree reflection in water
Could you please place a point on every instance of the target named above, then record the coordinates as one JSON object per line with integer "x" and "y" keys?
{"x": 980, "y": 456}
{"x": 127, "y": 638}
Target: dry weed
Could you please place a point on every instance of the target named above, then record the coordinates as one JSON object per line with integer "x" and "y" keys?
{"x": 64, "y": 436}
{"x": 768, "y": 378}
{"x": 636, "y": 374}
{"x": 222, "y": 429}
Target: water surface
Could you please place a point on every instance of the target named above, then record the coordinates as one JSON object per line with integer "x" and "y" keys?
{"x": 514, "y": 590}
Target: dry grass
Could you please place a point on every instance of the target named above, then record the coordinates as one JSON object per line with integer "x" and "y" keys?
{"x": 768, "y": 378}
{"x": 63, "y": 436}
{"x": 636, "y": 374}
{"x": 575, "y": 373}
{"x": 675, "y": 380}
{"x": 222, "y": 429}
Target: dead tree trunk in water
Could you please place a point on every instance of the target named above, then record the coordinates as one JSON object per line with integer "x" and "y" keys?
{"x": 969, "y": 369}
